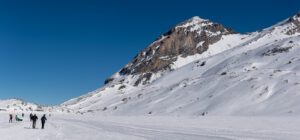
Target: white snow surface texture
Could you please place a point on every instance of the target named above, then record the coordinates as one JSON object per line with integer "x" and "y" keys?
{"x": 91, "y": 127}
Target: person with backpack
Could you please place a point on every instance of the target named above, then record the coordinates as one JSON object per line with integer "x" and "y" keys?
{"x": 10, "y": 118}
{"x": 43, "y": 120}
{"x": 34, "y": 118}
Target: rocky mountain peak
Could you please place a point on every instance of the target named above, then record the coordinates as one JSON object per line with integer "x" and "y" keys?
{"x": 197, "y": 18}
{"x": 295, "y": 20}
{"x": 296, "y": 17}
{"x": 190, "y": 37}
{"x": 192, "y": 21}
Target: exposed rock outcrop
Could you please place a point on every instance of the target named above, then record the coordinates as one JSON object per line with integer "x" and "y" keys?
{"x": 295, "y": 20}
{"x": 185, "y": 39}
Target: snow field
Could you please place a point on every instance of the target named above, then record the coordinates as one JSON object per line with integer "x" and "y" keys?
{"x": 91, "y": 127}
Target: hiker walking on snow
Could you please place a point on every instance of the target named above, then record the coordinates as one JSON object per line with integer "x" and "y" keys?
{"x": 10, "y": 118}
{"x": 30, "y": 116}
{"x": 34, "y": 118}
{"x": 43, "y": 119}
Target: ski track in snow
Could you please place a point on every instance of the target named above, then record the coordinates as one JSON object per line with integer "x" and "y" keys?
{"x": 77, "y": 127}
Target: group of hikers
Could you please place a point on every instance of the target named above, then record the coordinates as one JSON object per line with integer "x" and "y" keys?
{"x": 33, "y": 119}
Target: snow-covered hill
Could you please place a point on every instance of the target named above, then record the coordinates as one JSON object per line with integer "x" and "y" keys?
{"x": 201, "y": 68}
{"x": 19, "y": 106}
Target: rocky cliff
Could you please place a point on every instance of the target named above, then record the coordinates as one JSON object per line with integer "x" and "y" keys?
{"x": 185, "y": 39}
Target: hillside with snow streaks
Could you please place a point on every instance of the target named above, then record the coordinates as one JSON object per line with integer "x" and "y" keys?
{"x": 237, "y": 74}
{"x": 16, "y": 105}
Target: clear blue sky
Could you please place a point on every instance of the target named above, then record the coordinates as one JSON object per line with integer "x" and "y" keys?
{"x": 54, "y": 50}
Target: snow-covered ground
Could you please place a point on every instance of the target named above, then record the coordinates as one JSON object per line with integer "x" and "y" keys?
{"x": 88, "y": 127}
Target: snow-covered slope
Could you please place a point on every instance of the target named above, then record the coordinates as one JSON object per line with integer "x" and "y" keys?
{"x": 236, "y": 74}
{"x": 19, "y": 106}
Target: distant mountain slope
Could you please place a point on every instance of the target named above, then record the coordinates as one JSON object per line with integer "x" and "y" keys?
{"x": 19, "y": 106}
{"x": 201, "y": 68}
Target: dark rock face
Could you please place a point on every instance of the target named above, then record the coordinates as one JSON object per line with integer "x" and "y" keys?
{"x": 182, "y": 40}
{"x": 277, "y": 50}
{"x": 108, "y": 80}
{"x": 185, "y": 39}
{"x": 146, "y": 77}
{"x": 296, "y": 21}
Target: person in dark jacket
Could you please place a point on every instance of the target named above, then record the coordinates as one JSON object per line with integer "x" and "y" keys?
{"x": 10, "y": 118}
{"x": 43, "y": 119}
{"x": 30, "y": 116}
{"x": 34, "y": 118}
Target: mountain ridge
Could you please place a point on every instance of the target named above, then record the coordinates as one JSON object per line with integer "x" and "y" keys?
{"x": 121, "y": 91}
